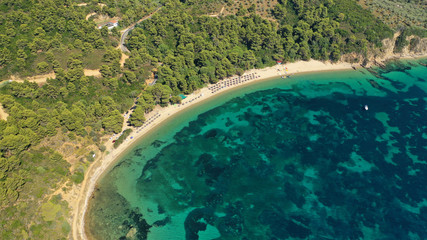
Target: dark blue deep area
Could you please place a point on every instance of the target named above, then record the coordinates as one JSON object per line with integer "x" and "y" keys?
{"x": 306, "y": 162}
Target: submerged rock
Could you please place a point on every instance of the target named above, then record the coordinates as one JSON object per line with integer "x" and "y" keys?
{"x": 131, "y": 234}
{"x": 374, "y": 84}
{"x": 157, "y": 143}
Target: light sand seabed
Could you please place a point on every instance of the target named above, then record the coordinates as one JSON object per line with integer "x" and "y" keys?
{"x": 103, "y": 162}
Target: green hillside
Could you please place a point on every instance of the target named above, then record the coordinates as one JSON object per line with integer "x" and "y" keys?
{"x": 399, "y": 13}
{"x": 198, "y": 49}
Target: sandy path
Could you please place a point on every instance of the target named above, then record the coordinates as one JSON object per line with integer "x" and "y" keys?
{"x": 41, "y": 79}
{"x": 3, "y": 114}
{"x": 222, "y": 10}
{"x": 219, "y": 14}
{"x": 123, "y": 58}
{"x": 103, "y": 162}
{"x": 90, "y": 15}
{"x": 92, "y": 72}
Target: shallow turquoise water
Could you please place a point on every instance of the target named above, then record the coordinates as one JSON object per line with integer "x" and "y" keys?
{"x": 298, "y": 159}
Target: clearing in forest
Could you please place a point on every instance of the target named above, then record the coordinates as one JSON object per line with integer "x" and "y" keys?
{"x": 262, "y": 7}
{"x": 41, "y": 79}
{"x": 3, "y": 114}
{"x": 101, "y": 20}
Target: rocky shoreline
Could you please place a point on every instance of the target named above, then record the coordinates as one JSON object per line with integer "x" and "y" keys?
{"x": 380, "y": 57}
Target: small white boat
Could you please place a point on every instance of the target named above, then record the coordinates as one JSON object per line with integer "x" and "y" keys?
{"x": 366, "y": 107}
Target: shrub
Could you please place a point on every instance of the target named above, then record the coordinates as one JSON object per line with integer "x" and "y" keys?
{"x": 43, "y": 67}
{"x": 120, "y": 140}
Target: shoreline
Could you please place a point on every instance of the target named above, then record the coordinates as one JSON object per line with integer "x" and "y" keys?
{"x": 160, "y": 115}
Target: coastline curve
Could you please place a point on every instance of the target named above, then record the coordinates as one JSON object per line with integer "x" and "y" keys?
{"x": 105, "y": 161}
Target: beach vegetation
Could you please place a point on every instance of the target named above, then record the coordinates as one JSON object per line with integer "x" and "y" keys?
{"x": 401, "y": 42}
{"x": 175, "y": 100}
{"x": 49, "y": 211}
{"x": 102, "y": 148}
{"x": 122, "y": 137}
{"x": 78, "y": 176}
{"x": 137, "y": 118}
{"x": 402, "y": 39}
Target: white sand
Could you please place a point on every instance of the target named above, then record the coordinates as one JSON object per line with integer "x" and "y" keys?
{"x": 103, "y": 162}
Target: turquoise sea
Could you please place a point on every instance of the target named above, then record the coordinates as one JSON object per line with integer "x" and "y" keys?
{"x": 296, "y": 158}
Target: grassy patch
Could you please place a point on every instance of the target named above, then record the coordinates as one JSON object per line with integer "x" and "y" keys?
{"x": 77, "y": 177}
{"x": 93, "y": 60}
{"x": 50, "y": 211}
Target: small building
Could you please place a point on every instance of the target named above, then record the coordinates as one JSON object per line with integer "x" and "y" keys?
{"x": 110, "y": 25}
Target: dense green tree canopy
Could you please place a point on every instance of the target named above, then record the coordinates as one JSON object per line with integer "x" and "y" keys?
{"x": 195, "y": 50}
{"x": 137, "y": 117}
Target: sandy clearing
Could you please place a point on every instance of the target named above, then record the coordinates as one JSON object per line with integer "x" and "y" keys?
{"x": 92, "y": 72}
{"x": 41, "y": 79}
{"x": 219, "y": 14}
{"x": 90, "y": 15}
{"x": 123, "y": 58}
{"x": 3, "y": 114}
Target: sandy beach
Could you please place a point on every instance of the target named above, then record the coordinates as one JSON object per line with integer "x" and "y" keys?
{"x": 103, "y": 162}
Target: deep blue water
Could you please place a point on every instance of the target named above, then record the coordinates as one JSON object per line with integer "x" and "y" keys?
{"x": 284, "y": 160}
